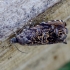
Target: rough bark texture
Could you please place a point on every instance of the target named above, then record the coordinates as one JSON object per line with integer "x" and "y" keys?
{"x": 15, "y": 14}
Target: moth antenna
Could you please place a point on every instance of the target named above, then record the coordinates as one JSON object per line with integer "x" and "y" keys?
{"x": 15, "y": 45}
{"x": 19, "y": 50}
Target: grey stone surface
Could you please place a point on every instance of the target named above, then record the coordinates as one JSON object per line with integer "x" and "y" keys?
{"x": 15, "y": 13}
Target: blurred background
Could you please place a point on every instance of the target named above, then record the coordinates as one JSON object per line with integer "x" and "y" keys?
{"x": 16, "y": 14}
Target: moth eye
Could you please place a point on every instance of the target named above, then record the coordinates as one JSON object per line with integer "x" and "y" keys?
{"x": 13, "y": 40}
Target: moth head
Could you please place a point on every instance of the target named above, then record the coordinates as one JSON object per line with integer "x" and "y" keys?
{"x": 14, "y": 40}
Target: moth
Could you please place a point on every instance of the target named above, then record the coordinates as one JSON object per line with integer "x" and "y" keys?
{"x": 50, "y": 32}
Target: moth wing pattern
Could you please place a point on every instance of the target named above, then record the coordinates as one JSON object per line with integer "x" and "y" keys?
{"x": 50, "y": 32}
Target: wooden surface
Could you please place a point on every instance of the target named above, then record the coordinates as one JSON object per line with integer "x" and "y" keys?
{"x": 39, "y": 57}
